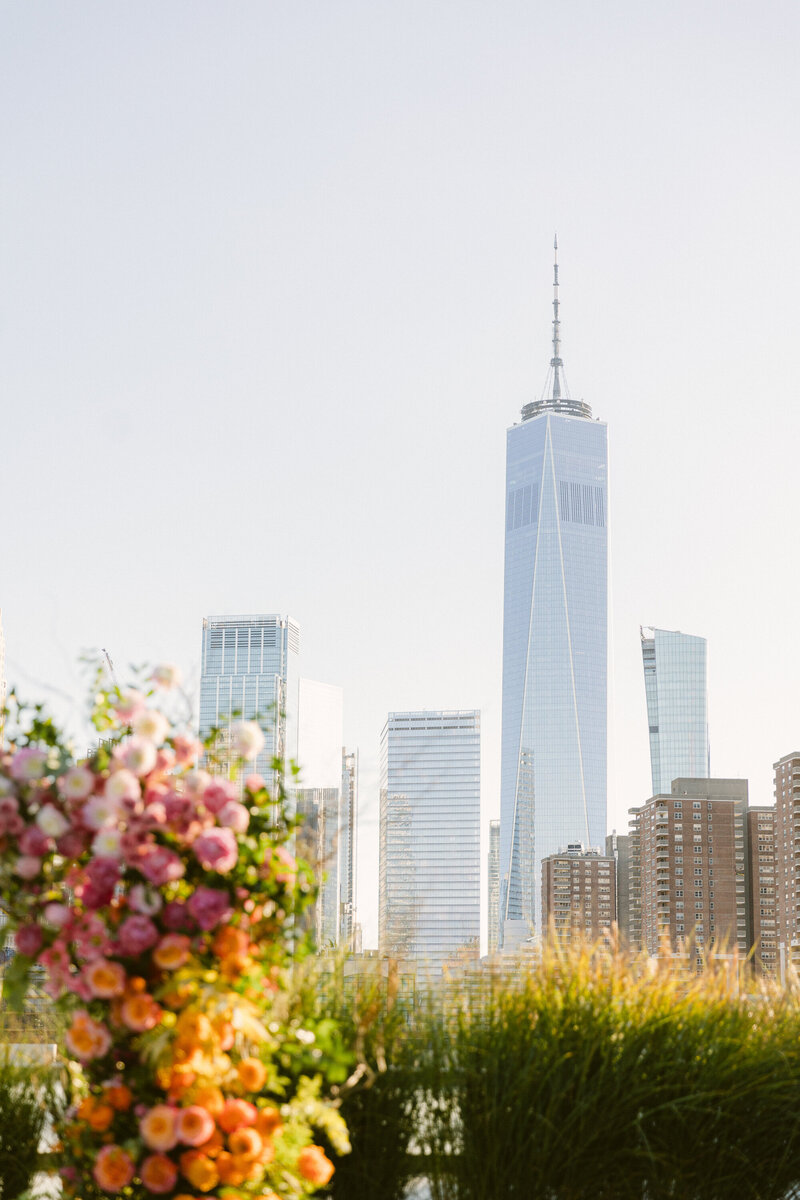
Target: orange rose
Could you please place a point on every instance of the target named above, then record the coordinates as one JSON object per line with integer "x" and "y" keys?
{"x": 245, "y": 1143}
{"x": 231, "y": 1171}
{"x": 268, "y": 1122}
{"x": 211, "y": 1099}
{"x": 193, "y": 1027}
{"x": 172, "y": 951}
{"x": 101, "y": 1117}
{"x": 236, "y": 1114}
{"x": 198, "y": 1168}
{"x": 140, "y": 1012}
{"x": 231, "y": 941}
{"x": 214, "y": 1144}
{"x": 314, "y": 1166}
{"x": 118, "y": 1096}
{"x": 252, "y": 1074}
{"x": 104, "y": 979}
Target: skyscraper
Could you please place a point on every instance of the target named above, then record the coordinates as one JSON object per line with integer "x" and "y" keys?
{"x": 429, "y": 899}
{"x": 348, "y": 837}
{"x": 494, "y": 886}
{"x": 318, "y": 797}
{"x": 250, "y": 670}
{"x": 553, "y": 772}
{"x": 677, "y": 706}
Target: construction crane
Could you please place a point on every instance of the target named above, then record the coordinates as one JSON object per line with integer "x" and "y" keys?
{"x": 107, "y": 657}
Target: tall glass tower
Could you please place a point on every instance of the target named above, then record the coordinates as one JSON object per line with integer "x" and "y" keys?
{"x": 250, "y": 670}
{"x": 553, "y": 781}
{"x": 675, "y": 684}
{"x": 430, "y": 811}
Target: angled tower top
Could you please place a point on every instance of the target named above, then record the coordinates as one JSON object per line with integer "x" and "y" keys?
{"x": 555, "y": 395}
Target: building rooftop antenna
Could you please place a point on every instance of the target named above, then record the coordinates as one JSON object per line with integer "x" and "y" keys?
{"x": 556, "y": 361}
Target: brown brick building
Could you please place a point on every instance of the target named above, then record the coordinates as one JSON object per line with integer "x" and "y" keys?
{"x": 787, "y": 875}
{"x": 579, "y": 897}
{"x": 689, "y": 872}
{"x": 764, "y": 905}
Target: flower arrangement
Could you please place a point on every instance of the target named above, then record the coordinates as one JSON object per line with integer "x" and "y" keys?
{"x": 157, "y": 901}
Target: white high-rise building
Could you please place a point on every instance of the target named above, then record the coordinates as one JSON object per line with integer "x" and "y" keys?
{"x": 430, "y": 801}
{"x": 675, "y": 684}
{"x": 318, "y": 798}
{"x": 348, "y": 841}
{"x": 250, "y": 671}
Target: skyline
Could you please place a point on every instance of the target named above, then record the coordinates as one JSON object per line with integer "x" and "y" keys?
{"x": 280, "y": 283}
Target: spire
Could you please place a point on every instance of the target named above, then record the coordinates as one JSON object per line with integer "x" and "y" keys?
{"x": 555, "y": 394}
{"x": 556, "y": 362}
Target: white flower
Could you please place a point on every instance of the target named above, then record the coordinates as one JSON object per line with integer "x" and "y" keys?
{"x": 247, "y": 739}
{"x": 101, "y": 811}
{"x": 151, "y": 724}
{"x": 144, "y": 900}
{"x": 51, "y": 821}
{"x": 138, "y": 754}
{"x": 122, "y": 785}
{"x": 76, "y": 784}
{"x": 107, "y": 843}
{"x": 305, "y": 1036}
{"x": 166, "y": 675}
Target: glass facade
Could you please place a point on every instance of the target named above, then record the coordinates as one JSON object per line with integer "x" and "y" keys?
{"x": 250, "y": 672}
{"x": 347, "y": 848}
{"x": 494, "y": 885}
{"x": 675, "y": 682}
{"x": 318, "y": 798}
{"x": 553, "y": 781}
{"x": 429, "y": 900}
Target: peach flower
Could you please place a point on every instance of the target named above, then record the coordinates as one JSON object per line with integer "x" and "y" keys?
{"x": 158, "y": 1173}
{"x": 104, "y": 979}
{"x": 268, "y": 1122}
{"x": 158, "y": 1127}
{"x": 245, "y": 1143}
{"x": 211, "y": 1099}
{"x": 114, "y": 1169}
{"x": 194, "y": 1125}
{"x": 140, "y": 1012}
{"x": 85, "y": 1038}
{"x": 172, "y": 951}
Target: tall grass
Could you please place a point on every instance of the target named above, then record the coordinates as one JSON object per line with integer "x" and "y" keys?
{"x": 586, "y": 1076}
{"x": 29, "y": 1097}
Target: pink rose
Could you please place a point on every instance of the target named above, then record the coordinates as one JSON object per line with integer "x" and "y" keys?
{"x": 135, "y": 935}
{"x": 136, "y": 754}
{"x": 102, "y": 876}
{"x": 254, "y": 783}
{"x": 286, "y": 872}
{"x": 34, "y": 842}
{"x": 209, "y": 906}
{"x": 28, "y": 940}
{"x": 129, "y": 705}
{"x": 216, "y": 850}
{"x": 176, "y": 916}
{"x": 28, "y": 763}
{"x": 187, "y": 749}
{"x": 56, "y": 915}
{"x": 234, "y": 816}
{"x": 72, "y": 844}
{"x": 159, "y": 865}
{"x": 218, "y": 793}
{"x": 27, "y": 867}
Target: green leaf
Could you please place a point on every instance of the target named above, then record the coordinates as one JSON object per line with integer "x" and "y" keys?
{"x": 16, "y": 979}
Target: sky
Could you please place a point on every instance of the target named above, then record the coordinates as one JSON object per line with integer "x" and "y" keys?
{"x": 276, "y": 278}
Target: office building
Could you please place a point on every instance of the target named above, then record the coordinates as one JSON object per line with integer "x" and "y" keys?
{"x": 618, "y": 847}
{"x": 494, "y": 886}
{"x": 579, "y": 897}
{"x": 250, "y": 671}
{"x": 787, "y": 844}
{"x": 318, "y": 799}
{"x": 763, "y": 933}
{"x": 348, "y": 841}
{"x": 429, "y": 890}
{"x": 675, "y": 682}
{"x": 689, "y": 872}
{"x": 553, "y": 770}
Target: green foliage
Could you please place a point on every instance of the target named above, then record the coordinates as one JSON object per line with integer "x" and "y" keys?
{"x": 28, "y": 1100}
{"x": 586, "y": 1076}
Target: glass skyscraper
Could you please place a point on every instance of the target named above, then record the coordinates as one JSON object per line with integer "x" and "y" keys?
{"x": 430, "y": 801}
{"x": 553, "y": 771}
{"x": 250, "y": 670}
{"x": 675, "y": 684}
{"x": 348, "y": 834}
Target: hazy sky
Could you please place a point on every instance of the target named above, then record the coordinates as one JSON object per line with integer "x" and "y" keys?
{"x": 276, "y": 279}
